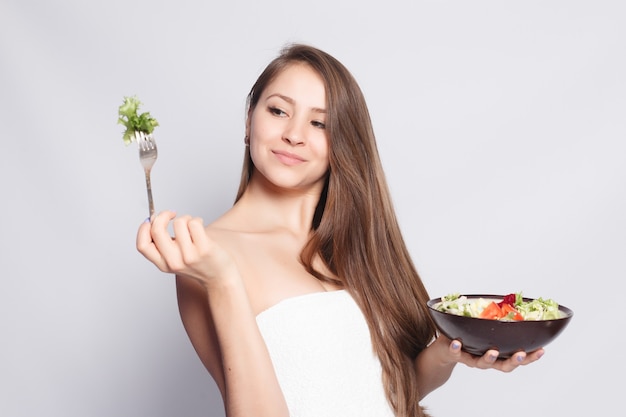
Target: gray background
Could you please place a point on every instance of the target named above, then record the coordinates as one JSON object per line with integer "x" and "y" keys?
{"x": 501, "y": 125}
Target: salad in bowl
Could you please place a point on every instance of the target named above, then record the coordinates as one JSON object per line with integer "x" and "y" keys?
{"x": 507, "y": 323}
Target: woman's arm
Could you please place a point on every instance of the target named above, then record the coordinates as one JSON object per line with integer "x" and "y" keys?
{"x": 217, "y": 314}
{"x": 251, "y": 386}
{"x": 435, "y": 364}
{"x": 196, "y": 318}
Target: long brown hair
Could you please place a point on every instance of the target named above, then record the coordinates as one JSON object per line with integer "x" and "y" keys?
{"x": 355, "y": 231}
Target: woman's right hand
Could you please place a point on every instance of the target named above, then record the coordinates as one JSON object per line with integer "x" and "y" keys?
{"x": 191, "y": 252}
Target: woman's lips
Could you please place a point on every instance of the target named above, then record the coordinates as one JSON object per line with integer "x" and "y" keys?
{"x": 288, "y": 158}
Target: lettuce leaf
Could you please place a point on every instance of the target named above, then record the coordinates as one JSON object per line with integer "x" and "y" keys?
{"x": 128, "y": 117}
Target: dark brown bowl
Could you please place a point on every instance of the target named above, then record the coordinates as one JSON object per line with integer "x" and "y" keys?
{"x": 507, "y": 337}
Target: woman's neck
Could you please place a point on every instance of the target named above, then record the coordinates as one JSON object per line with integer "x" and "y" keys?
{"x": 265, "y": 209}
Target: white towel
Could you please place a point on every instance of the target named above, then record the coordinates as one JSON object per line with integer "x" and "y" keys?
{"x": 321, "y": 349}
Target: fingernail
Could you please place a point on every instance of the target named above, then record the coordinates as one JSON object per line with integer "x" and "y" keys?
{"x": 520, "y": 358}
{"x": 540, "y": 354}
{"x": 456, "y": 345}
{"x": 493, "y": 356}
{"x": 147, "y": 220}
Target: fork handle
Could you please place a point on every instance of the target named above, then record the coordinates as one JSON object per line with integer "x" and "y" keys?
{"x": 149, "y": 188}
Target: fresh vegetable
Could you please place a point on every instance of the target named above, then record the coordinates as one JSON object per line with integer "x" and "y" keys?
{"x": 134, "y": 122}
{"x": 511, "y": 307}
{"x": 508, "y": 299}
{"x": 492, "y": 311}
{"x": 509, "y": 312}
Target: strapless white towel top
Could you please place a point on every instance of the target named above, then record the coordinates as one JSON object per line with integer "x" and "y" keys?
{"x": 322, "y": 353}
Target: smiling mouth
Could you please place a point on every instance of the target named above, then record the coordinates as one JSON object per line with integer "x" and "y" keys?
{"x": 288, "y": 158}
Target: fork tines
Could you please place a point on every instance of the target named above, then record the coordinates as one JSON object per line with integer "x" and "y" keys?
{"x": 145, "y": 141}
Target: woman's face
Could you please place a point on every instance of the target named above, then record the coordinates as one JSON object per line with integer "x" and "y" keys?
{"x": 288, "y": 140}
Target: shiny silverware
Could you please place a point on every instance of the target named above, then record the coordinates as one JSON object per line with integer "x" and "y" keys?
{"x": 147, "y": 156}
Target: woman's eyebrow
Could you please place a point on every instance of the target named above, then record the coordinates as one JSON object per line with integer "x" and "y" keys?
{"x": 292, "y": 102}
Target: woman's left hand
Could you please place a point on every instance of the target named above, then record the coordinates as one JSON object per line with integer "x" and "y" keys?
{"x": 434, "y": 364}
{"x": 490, "y": 359}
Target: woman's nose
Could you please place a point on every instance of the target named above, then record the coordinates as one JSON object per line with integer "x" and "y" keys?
{"x": 294, "y": 133}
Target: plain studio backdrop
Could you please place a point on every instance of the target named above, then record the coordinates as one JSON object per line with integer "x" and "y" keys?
{"x": 501, "y": 125}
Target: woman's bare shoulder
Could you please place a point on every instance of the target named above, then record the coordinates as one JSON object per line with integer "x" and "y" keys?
{"x": 231, "y": 234}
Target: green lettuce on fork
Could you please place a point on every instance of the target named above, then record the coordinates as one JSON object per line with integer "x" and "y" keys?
{"x": 134, "y": 122}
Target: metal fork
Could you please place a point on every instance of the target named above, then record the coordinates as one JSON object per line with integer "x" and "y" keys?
{"x": 147, "y": 156}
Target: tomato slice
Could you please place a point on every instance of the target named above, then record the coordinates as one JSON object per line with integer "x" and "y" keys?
{"x": 511, "y": 312}
{"x": 508, "y": 299}
{"x": 492, "y": 311}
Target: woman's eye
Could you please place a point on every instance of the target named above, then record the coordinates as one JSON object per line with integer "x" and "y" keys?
{"x": 276, "y": 111}
{"x": 318, "y": 124}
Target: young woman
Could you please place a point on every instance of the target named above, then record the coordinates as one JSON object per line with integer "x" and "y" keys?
{"x": 302, "y": 299}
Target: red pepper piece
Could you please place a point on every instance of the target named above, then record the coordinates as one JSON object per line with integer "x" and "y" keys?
{"x": 512, "y": 313}
{"x": 492, "y": 311}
